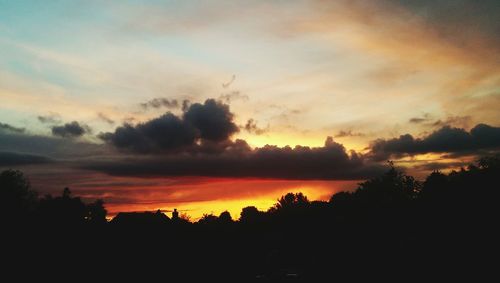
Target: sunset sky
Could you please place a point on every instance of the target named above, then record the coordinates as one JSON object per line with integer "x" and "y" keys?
{"x": 208, "y": 106}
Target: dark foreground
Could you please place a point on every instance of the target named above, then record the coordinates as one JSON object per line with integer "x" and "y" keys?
{"x": 391, "y": 228}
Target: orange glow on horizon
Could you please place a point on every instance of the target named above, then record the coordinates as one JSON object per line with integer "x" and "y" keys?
{"x": 215, "y": 195}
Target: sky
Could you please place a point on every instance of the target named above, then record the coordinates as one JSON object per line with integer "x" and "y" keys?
{"x": 208, "y": 106}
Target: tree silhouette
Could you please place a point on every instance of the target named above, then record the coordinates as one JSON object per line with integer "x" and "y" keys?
{"x": 63, "y": 210}
{"x": 291, "y": 201}
{"x": 393, "y": 186}
{"x": 96, "y": 213}
{"x": 225, "y": 218}
{"x": 17, "y": 200}
{"x": 208, "y": 219}
{"x": 250, "y": 215}
{"x": 436, "y": 186}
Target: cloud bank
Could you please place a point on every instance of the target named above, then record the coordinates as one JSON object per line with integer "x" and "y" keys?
{"x": 445, "y": 140}
{"x": 15, "y": 159}
{"x": 200, "y": 142}
{"x": 330, "y": 162}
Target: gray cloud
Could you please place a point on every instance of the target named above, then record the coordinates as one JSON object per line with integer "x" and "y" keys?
{"x": 52, "y": 147}
{"x": 160, "y": 102}
{"x": 457, "y": 121}
{"x": 444, "y": 140}
{"x": 417, "y": 120}
{"x": 52, "y": 118}
{"x": 9, "y": 128}
{"x": 71, "y": 130}
{"x": 105, "y": 118}
{"x": 227, "y": 84}
{"x": 231, "y": 96}
{"x": 348, "y": 133}
{"x": 251, "y": 127}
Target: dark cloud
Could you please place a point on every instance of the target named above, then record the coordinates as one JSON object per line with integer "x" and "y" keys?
{"x": 70, "y": 130}
{"x": 238, "y": 160}
{"x": 160, "y": 102}
{"x": 251, "y": 127}
{"x": 52, "y": 118}
{"x": 212, "y": 119}
{"x": 348, "y": 133}
{"x": 105, "y": 118}
{"x": 185, "y": 105}
{"x": 207, "y": 123}
{"x": 15, "y": 159}
{"x": 445, "y": 140}
{"x": 167, "y": 132}
{"x": 8, "y": 128}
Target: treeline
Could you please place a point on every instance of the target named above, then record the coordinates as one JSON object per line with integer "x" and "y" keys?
{"x": 389, "y": 223}
{"x": 464, "y": 192}
{"x": 20, "y": 205}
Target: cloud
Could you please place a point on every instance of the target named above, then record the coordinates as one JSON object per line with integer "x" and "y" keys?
{"x": 417, "y": 120}
{"x": 211, "y": 122}
{"x": 348, "y": 133}
{"x": 457, "y": 121}
{"x": 330, "y": 162}
{"x": 452, "y": 121}
{"x": 461, "y": 18}
{"x": 49, "y": 146}
{"x": 433, "y": 166}
{"x": 164, "y": 133}
{"x": 445, "y": 140}
{"x": 14, "y": 159}
{"x": 9, "y": 128}
{"x": 70, "y": 130}
{"x": 185, "y": 105}
{"x": 227, "y": 84}
{"x": 105, "y": 118}
{"x": 231, "y": 96}
{"x": 251, "y": 127}
{"x": 160, "y": 102}
{"x": 52, "y": 118}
